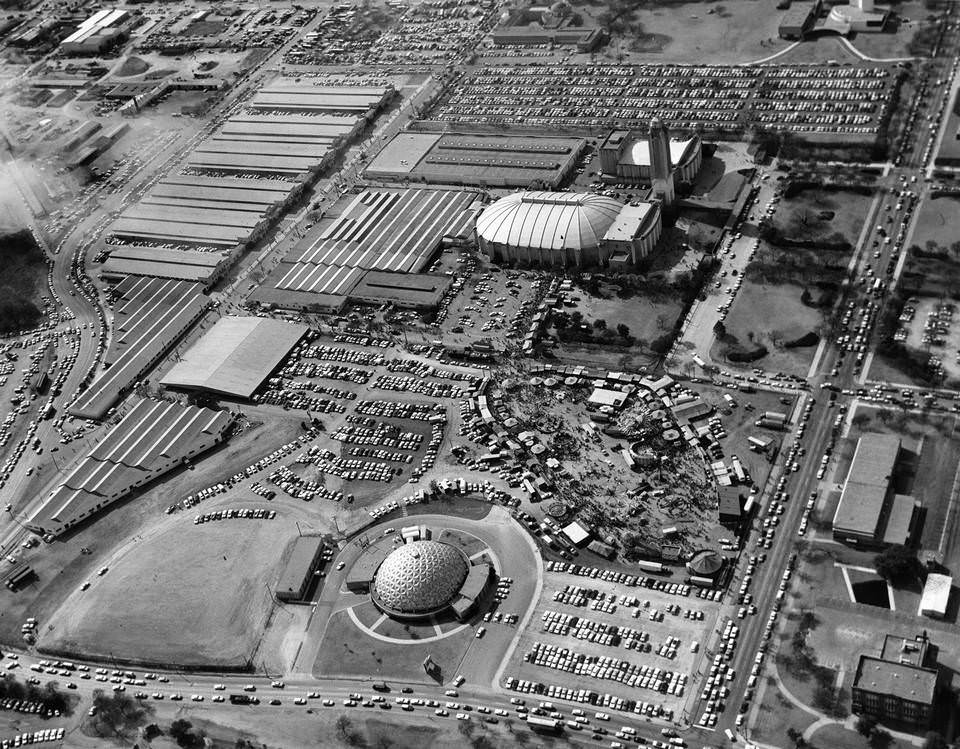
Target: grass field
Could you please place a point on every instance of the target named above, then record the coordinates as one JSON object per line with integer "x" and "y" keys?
{"x": 771, "y": 314}
{"x": 187, "y": 594}
{"x": 729, "y": 32}
{"x": 937, "y": 221}
{"x": 348, "y": 651}
{"x": 806, "y": 215}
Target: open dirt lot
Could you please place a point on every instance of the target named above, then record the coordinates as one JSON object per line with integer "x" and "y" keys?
{"x": 673, "y": 625}
{"x": 186, "y": 594}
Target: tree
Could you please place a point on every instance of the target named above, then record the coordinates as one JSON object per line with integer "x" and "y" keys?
{"x": 866, "y": 724}
{"x": 623, "y": 331}
{"x": 879, "y": 739}
{"x": 796, "y": 737}
{"x": 933, "y": 740}
{"x": 897, "y": 564}
{"x": 600, "y": 324}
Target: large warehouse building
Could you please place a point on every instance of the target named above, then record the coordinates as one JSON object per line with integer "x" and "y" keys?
{"x": 125, "y": 260}
{"x": 395, "y": 231}
{"x": 563, "y": 229}
{"x": 212, "y": 212}
{"x": 149, "y": 316}
{"x": 482, "y": 160}
{"x": 235, "y": 356}
{"x": 869, "y": 513}
{"x": 152, "y": 439}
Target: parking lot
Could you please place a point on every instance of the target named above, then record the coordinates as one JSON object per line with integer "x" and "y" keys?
{"x": 424, "y": 34}
{"x": 581, "y": 622}
{"x": 809, "y": 98}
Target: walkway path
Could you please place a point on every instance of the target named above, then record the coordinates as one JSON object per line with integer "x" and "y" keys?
{"x": 847, "y": 43}
{"x": 774, "y": 56}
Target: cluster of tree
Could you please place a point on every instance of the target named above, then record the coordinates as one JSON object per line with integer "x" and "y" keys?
{"x": 898, "y": 564}
{"x": 876, "y": 736}
{"x": 49, "y": 695}
{"x": 794, "y": 187}
{"x": 744, "y": 355}
{"x": 117, "y": 715}
{"x": 182, "y": 732}
{"x": 22, "y": 261}
{"x": 573, "y": 327}
{"x": 931, "y": 249}
{"x": 834, "y": 242}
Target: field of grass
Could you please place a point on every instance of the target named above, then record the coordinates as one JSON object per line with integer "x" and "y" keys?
{"x": 186, "y": 594}
{"x": 348, "y": 651}
{"x": 771, "y": 315}
{"x": 817, "y": 214}
{"x": 734, "y": 31}
{"x": 22, "y": 281}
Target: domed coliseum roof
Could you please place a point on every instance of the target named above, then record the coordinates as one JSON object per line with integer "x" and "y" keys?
{"x": 419, "y": 577}
{"x": 548, "y": 220}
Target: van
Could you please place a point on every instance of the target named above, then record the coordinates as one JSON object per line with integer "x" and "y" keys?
{"x": 729, "y": 734}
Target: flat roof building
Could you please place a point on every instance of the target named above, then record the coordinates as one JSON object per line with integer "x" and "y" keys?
{"x": 936, "y": 596}
{"x": 407, "y": 290}
{"x": 898, "y": 686}
{"x": 235, "y": 356}
{"x": 297, "y": 574}
{"x": 479, "y": 159}
{"x": 867, "y": 507}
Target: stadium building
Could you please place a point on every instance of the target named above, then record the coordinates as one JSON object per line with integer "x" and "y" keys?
{"x": 420, "y": 579}
{"x": 561, "y": 229}
{"x": 627, "y": 157}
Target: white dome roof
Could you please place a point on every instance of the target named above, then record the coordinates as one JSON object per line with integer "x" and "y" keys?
{"x": 419, "y": 577}
{"x": 548, "y": 220}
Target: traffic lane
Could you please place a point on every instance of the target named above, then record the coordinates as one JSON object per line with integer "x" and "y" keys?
{"x": 751, "y": 634}
{"x": 311, "y": 695}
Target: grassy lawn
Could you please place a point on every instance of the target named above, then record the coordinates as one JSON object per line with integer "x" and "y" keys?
{"x": 776, "y": 716}
{"x": 837, "y": 737}
{"x": 730, "y": 32}
{"x": 348, "y": 651}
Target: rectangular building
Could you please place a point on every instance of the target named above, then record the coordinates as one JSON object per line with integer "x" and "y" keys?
{"x": 298, "y": 572}
{"x": 153, "y": 438}
{"x": 235, "y": 356}
{"x": 478, "y": 159}
{"x": 936, "y": 596}
{"x": 867, "y": 499}
{"x": 897, "y": 687}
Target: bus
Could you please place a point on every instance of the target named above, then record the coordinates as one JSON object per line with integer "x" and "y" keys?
{"x": 544, "y": 725}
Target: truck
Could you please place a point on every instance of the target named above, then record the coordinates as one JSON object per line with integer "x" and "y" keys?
{"x": 759, "y": 444}
{"x": 650, "y": 566}
{"x": 19, "y": 577}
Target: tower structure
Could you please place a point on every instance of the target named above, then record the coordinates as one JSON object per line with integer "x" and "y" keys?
{"x": 661, "y": 168}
